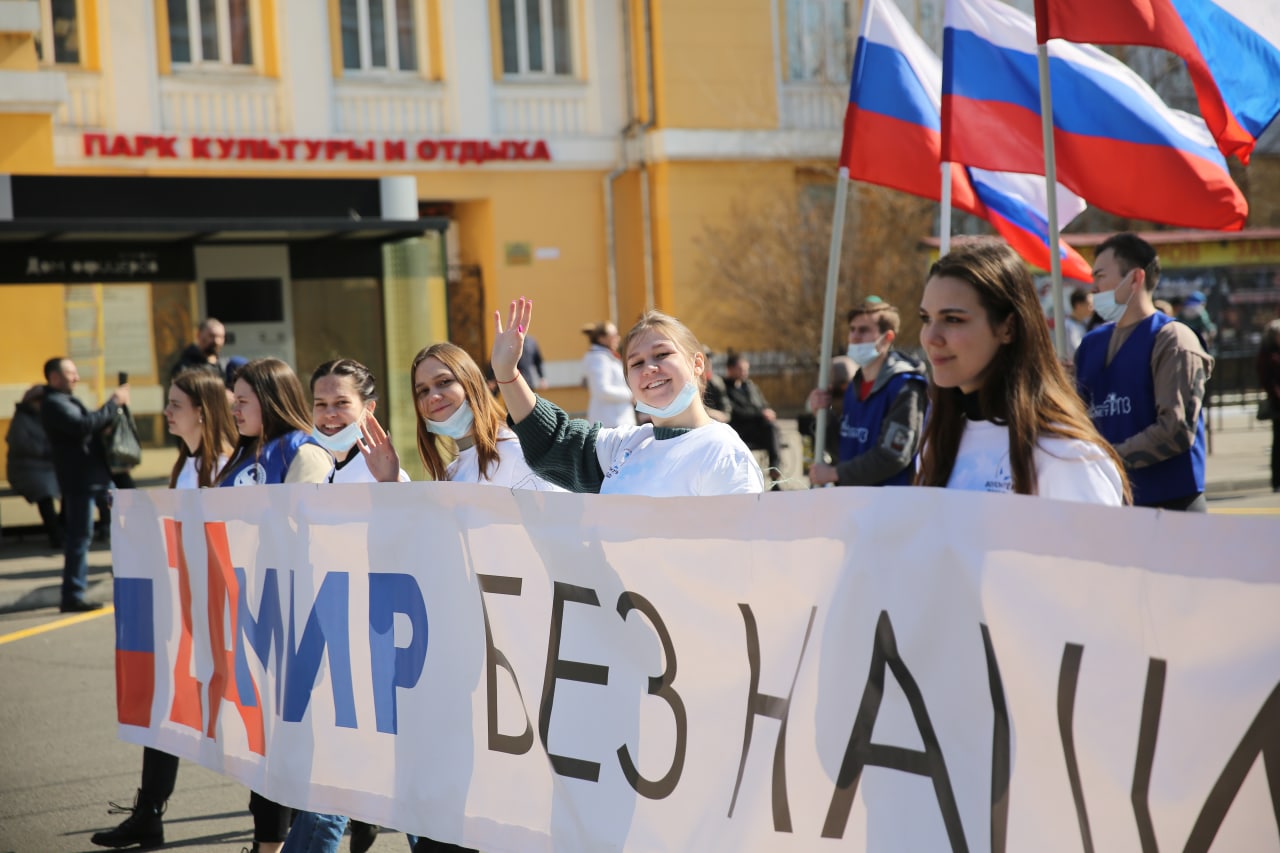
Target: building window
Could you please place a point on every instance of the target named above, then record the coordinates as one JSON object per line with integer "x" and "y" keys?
{"x": 821, "y": 35}
{"x": 379, "y": 35}
{"x": 59, "y": 38}
{"x": 537, "y": 38}
{"x": 210, "y": 32}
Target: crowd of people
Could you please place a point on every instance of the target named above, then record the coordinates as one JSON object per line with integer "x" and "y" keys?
{"x": 994, "y": 409}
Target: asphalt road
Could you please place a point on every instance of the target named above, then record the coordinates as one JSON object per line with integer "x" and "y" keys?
{"x": 60, "y": 760}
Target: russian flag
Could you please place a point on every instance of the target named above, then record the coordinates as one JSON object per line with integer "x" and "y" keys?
{"x": 135, "y": 650}
{"x": 1117, "y": 144}
{"x": 1234, "y": 65}
{"x": 893, "y": 138}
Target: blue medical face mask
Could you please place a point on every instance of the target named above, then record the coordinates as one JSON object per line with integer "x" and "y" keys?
{"x": 1105, "y": 305}
{"x": 342, "y": 440}
{"x": 675, "y": 407}
{"x": 864, "y": 354}
{"x": 456, "y": 426}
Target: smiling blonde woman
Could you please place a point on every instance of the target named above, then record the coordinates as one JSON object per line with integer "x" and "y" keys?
{"x": 682, "y": 452}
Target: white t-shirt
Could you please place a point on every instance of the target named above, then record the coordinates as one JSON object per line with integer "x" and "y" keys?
{"x": 512, "y": 471}
{"x": 189, "y": 476}
{"x": 1066, "y": 469}
{"x": 356, "y": 470}
{"x": 709, "y": 460}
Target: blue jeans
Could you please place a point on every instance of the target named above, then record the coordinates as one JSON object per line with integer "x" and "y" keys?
{"x": 320, "y": 833}
{"x": 315, "y": 833}
{"x": 78, "y": 507}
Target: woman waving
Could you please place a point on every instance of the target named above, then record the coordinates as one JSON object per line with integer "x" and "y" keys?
{"x": 682, "y": 452}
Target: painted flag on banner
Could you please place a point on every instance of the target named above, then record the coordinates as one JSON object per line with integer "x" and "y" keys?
{"x": 1231, "y": 47}
{"x": 892, "y": 138}
{"x": 1116, "y": 143}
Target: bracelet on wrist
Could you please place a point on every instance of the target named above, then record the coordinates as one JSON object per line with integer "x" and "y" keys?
{"x": 507, "y": 382}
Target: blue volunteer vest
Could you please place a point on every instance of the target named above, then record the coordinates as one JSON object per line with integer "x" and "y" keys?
{"x": 863, "y": 420}
{"x": 272, "y": 464}
{"x": 1122, "y": 403}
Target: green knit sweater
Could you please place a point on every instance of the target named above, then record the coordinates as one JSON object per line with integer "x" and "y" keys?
{"x": 562, "y": 449}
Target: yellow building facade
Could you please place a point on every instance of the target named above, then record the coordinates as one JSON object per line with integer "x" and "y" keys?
{"x": 567, "y": 150}
{"x": 572, "y": 151}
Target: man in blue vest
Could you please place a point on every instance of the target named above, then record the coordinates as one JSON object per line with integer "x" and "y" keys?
{"x": 884, "y": 405}
{"x": 1143, "y": 377}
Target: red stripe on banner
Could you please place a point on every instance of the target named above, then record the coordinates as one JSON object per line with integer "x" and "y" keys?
{"x": 1152, "y": 182}
{"x": 135, "y": 687}
{"x": 224, "y": 596}
{"x": 186, "y": 709}
{"x": 890, "y": 152}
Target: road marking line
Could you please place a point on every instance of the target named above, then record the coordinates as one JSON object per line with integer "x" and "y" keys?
{"x": 52, "y": 626}
{"x": 1245, "y": 510}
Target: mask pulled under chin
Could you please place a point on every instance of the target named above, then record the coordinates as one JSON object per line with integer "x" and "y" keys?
{"x": 341, "y": 441}
{"x": 675, "y": 407}
{"x": 456, "y": 426}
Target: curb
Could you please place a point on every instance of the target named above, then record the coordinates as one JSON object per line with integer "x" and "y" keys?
{"x": 1224, "y": 488}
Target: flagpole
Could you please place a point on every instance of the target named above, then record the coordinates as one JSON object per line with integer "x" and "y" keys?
{"x": 1051, "y": 202}
{"x": 944, "y": 215}
{"x": 829, "y": 308}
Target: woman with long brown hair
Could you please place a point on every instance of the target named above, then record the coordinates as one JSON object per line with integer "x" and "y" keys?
{"x": 453, "y": 401}
{"x": 198, "y": 414}
{"x": 1004, "y": 415}
{"x": 275, "y": 430}
{"x": 275, "y": 447}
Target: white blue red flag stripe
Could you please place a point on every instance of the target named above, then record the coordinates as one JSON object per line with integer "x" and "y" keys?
{"x": 1231, "y": 47}
{"x": 892, "y": 137}
{"x": 1116, "y": 143}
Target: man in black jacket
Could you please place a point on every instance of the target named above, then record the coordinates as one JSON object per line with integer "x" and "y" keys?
{"x": 206, "y": 351}
{"x": 75, "y": 437}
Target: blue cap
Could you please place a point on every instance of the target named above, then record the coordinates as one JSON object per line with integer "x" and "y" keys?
{"x": 1196, "y": 298}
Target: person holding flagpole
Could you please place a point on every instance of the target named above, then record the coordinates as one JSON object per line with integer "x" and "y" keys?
{"x": 884, "y": 404}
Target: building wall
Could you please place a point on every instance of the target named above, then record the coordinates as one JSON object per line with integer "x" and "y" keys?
{"x": 716, "y": 64}
{"x": 726, "y": 133}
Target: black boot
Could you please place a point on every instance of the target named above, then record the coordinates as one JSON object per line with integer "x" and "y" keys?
{"x": 362, "y": 835}
{"x": 142, "y": 827}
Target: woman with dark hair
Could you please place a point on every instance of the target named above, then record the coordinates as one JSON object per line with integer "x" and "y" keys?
{"x": 609, "y": 399}
{"x": 275, "y": 447}
{"x": 682, "y": 452}
{"x": 198, "y": 414}
{"x": 1004, "y": 415}
{"x": 344, "y": 395}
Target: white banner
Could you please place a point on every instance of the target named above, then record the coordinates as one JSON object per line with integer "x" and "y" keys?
{"x": 844, "y": 669}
